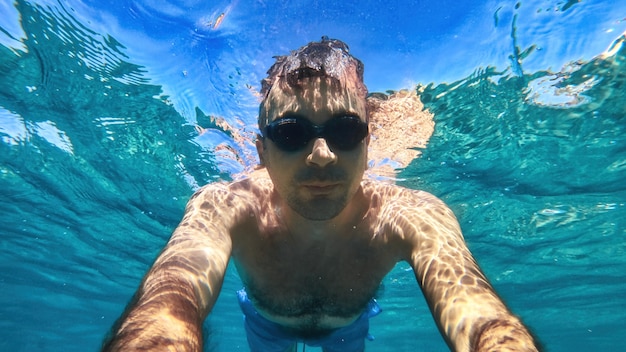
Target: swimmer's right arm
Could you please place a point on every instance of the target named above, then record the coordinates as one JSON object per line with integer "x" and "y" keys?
{"x": 177, "y": 293}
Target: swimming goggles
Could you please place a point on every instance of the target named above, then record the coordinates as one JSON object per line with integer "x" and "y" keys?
{"x": 294, "y": 133}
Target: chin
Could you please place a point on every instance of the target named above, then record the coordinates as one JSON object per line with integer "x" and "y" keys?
{"x": 319, "y": 209}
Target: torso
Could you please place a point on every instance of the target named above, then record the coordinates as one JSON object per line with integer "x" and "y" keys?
{"x": 310, "y": 285}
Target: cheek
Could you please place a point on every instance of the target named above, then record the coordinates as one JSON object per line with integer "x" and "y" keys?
{"x": 279, "y": 165}
{"x": 362, "y": 154}
{"x": 356, "y": 163}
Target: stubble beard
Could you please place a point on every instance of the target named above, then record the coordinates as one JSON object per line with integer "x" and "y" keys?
{"x": 318, "y": 208}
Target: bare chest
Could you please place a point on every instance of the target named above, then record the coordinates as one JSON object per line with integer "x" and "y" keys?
{"x": 328, "y": 279}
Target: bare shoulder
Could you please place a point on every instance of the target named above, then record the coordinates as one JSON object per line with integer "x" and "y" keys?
{"x": 418, "y": 219}
{"x": 203, "y": 237}
{"x": 407, "y": 202}
{"x": 229, "y": 198}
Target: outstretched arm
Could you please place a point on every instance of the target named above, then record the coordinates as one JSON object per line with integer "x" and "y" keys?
{"x": 169, "y": 308}
{"x": 469, "y": 313}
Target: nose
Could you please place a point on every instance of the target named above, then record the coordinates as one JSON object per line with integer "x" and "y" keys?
{"x": 321, "y": 155}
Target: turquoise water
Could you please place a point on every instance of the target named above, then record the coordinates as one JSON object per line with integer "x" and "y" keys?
{"x": 99, "y": 152}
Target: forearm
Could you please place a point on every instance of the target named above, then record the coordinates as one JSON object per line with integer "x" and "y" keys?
{"x": 164, "y": 318}
{"x": 507, "y": 334}
{"x": 483, "y": 324}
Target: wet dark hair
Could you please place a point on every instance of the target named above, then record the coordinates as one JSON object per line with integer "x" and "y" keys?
{"x": 328, "y": 58}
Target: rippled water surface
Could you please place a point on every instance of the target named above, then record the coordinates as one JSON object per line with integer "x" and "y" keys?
{"x": 112, "y": 113}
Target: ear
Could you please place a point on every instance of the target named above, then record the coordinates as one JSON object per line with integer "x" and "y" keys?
{"x": 367, "y": 148}
{"x": 260, "y": 149}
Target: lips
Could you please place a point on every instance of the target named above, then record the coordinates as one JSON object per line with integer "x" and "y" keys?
{"x": 320, "y": 188}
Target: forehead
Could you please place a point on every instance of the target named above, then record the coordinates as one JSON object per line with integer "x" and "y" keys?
{"x": 315, "y": 96}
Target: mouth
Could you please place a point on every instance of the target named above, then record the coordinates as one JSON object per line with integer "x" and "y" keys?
{"x": 320, "y": 188}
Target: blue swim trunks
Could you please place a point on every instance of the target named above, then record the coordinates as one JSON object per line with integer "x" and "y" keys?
{"x": 266, "y": 336}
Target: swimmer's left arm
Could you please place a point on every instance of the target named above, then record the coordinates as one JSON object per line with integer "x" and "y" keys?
{"x": 469, "y": 313}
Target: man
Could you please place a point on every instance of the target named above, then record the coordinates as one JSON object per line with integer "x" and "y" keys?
{"x": 313, "y": 241}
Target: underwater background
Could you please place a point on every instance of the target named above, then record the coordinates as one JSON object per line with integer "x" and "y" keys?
{"x": 101, "y": 104}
